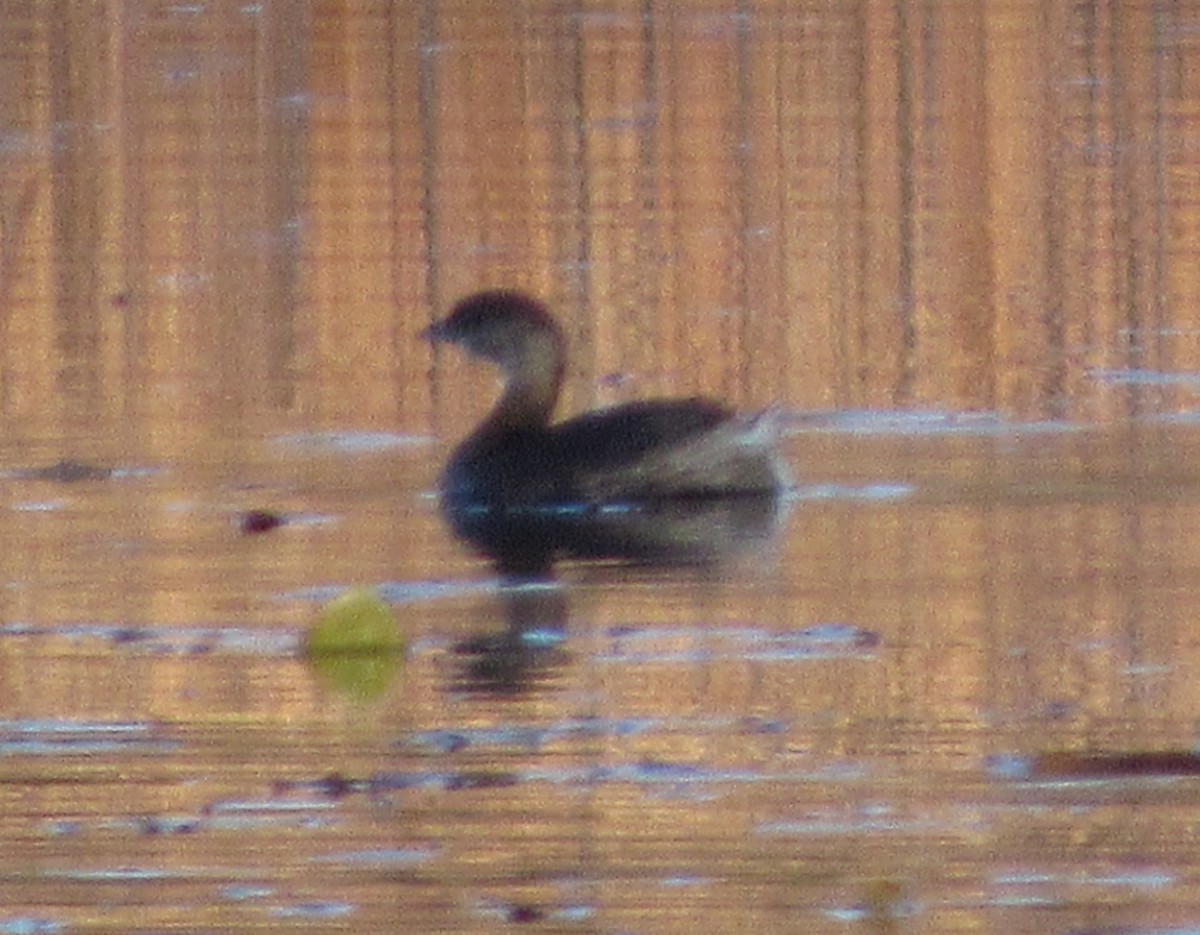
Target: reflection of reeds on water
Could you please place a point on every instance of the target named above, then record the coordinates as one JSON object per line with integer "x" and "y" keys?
{"x": 14, "y": 229}
{"x": 254, "y": 208}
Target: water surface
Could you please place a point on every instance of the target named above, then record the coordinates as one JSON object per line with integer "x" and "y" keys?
{"x": 955, "y": 690}
{"x": 949, "y": 685}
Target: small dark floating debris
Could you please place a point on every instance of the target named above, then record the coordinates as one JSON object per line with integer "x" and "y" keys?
{"x": 151, "y": 825}
{"x": 760, "y": 725}
{"x": 336, "y": 786}
{"x": 480, "y": 779}
{"x": 1065, "y": 765}
{"x": 1060, "y": 710}
{"x": 66, "y": 471}
{"x": 1151, "y": 763}
{"x": 524, "y": 912}
{"x": 444, "y": 741}
{"x": 123, "y": 636}
{"x": 844, "y": 634}
{"x": 332, "y": 786}
{"x": 253, "y": 522}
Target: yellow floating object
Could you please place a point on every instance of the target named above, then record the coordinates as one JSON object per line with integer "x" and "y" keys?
{"x": 355, "y": 645}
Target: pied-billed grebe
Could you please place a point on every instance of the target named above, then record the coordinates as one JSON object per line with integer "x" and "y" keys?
{"x": 641, "y": 450}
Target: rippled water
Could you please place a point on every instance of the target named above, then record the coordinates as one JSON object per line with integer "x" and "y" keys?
{"x": 954, "y": 690}
{"x": 949, "y": 684}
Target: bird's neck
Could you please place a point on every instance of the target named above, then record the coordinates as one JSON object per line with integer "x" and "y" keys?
{"x": 531, "y": 391}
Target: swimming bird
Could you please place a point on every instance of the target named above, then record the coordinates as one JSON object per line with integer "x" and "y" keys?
{"x": 652, "y": 449}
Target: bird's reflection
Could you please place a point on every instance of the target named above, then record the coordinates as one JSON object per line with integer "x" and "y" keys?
{"x": 524, "y": 656}
{"x": 524, "y": 543}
